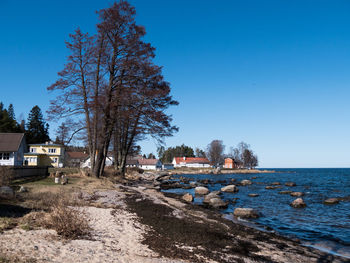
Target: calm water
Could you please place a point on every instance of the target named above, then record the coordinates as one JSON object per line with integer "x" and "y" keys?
{"x": 324, "y": 226}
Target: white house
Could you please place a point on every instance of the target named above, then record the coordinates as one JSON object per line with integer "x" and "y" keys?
{"x": 87, "y": 162}
{"x": 167, "y": 166}
{"x": 150, "y": 164}
{"x": 12, "y": 148}
{"x": 194, "y": 162}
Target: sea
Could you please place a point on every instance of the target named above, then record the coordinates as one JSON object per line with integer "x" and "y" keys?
{"x": 325, "y": 227}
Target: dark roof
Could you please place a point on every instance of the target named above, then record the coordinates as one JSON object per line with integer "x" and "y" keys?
{"x": 131, "y": 162}
{"x": 10, "y": 142}
{"x": 148, "y": 161}
{"x": 77, "y": 155}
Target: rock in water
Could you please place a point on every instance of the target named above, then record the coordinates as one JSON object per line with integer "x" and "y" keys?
{"x": 210, "y": 196}
{"x": 187, "y": 197}
{"x": 245, "y": 213}
{"x": 201, "y": 190}
{"x": 290, "y": 184}
{"x": 230, "y": 189}
{"x": 6, "y": 192}
{"x": 246, "y": 182}
{"x": 331, "y": 201}
{"x": 296, "y": 194}
{"x": 298, "y": 203}
{"x": 285, "y": 192}
{"x": 276, "y": 183}
{"x": 217, "y": 203}
{"x": 253, "y": 195}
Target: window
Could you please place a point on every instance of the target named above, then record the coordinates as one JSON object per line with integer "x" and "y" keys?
{"x": 55, "y": 160}
{"x": 52, "y": 150}
{"x": 4, "y": 156}
{"x": 33, "y": 150}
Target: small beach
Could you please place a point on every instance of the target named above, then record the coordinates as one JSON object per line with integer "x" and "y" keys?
{"x": 132, "y": 221}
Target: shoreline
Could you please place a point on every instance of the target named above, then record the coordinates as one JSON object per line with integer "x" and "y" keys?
{"x": 133, "y": 221}
{"x": 179, "y": 171}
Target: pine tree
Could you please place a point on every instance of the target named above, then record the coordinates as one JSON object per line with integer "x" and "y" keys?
{"x": 37, "y": 128}
{"x": 7, "y": 120}
{"x": 11, "y": 112}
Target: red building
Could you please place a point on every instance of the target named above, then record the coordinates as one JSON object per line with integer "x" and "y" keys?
{"x": 229, "y": 163}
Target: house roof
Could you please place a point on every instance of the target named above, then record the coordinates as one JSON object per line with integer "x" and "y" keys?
{"x": 148, "y": 161}
{"x": 188, "y": 160}
{"x": 131, "y": 162}
{"x": 47, "y": 145}
{"x": 77, "y": 155}
{"x": 10, "y": 142}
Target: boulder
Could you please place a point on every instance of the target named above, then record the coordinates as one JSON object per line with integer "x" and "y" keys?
{"x": 298, "y": 203}
{"x": 297, "y": 194}
{"x": 245, "y": 213}
{"x": 217, "y": 203}
{"x": 271, "y": 187}
{"x": 201, "y": 190}
{"x": 210, "y": 196}
{"x": 6, "y": 192}
{"x": 193, "y": 184}
{"x": 331, "y": 201}
{"x": 253, "y": 195}
{"x": 285, "y": 192}
{"x": 233, "y": 180}
{"x": 290, "y": 184}
{"x": 246, "y": 182}
{"x": 230, "y": 189}
{"x": 187, "y": 197}
{"x": 22, "y": 189}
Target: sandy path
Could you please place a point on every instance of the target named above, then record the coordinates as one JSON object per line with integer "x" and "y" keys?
{"x": 116, "y": 237}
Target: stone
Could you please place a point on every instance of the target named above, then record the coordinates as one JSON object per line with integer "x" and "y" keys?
{"x": 210, "y": 196}
{"x": 233, "y": 180}
{"x": 298, "y": 203}
{"x": 290, "y": 184}
{"x": 253, "y": 195}
{"x": 6, "y": 192}
{"x": 193, "y": 184}
{"x": 230, "y": 189}
{"x": 246, "y": 182}
{"x": 217, "y": 203}
{"x": 285, "y": 192}
{"x": 245, "y": 213}
{"x": 201, "y": 190}
{"x": 22, "y": 189}
{"x": 297, "y": 194}
{"x": 276, "y": 183}
{"x": 271, "y": 187}
{"x": 187, "y": 197}
{"x": 331, "y": 201}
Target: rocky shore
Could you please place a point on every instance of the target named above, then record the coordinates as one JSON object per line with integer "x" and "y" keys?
{"x": 133, "y": 221}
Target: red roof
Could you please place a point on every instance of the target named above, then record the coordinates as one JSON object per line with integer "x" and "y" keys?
{"x": 191, "y": 160}
{"x": 148, "y": 161}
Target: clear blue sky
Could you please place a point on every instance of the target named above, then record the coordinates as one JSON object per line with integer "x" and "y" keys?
{"x": 272, "y": 73}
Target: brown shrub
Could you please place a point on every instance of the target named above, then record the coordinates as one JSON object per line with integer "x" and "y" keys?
{"x": 69, "y": 222}
{"x": 6, "y": 175}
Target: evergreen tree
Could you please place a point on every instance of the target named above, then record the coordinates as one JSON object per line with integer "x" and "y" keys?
{"x": 37, "y": 128}
{"x": 7, "y": 120}
{"x": 11, "y": 112}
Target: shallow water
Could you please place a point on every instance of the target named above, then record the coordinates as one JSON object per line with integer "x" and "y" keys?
{"x": 328, "y": 225}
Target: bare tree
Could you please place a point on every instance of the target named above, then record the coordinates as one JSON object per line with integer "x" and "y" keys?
{"x": 215, "y": 152}
{"x": 111, "y": 82}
